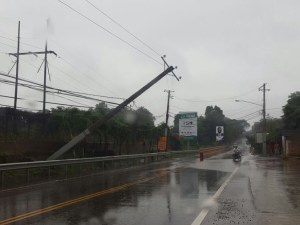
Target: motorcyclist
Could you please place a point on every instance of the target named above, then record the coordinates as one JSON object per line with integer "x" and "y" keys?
{"x": 236, "y": 152}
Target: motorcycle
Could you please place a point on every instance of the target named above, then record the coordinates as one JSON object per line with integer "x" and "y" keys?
{"x": 237, "y": 156}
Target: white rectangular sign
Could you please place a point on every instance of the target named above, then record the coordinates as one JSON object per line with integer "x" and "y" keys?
{"x": 188, "y": 124}
{"x": 219, "y": 133}
{"x": 260, "y": 137}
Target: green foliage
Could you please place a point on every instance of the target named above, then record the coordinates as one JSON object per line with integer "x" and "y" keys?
{"x": 206, "y": 127}
{"x": 291, "y": 111}
{"x": 125, "y": 132}
{"x": 274, "y": 127}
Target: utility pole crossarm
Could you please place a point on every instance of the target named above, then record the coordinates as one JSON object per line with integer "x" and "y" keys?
{"x": 165, "y": 63}
{"x": 33, "y": 53}
{"x": 17, "y": 55}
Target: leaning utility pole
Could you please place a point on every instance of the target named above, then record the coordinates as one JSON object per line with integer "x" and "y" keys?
{"x": 263, "y": 89}
{"x": 167, "y": 130}
{"x": 109, "y": 115}
{"x": 17, "y": 69}
{"x": 46, "y": 52}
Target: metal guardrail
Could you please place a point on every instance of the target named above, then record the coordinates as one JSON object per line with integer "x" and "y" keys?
{"x": 95, "y": 164}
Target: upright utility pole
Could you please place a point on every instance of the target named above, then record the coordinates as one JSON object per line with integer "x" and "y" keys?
{"x": 167, "y": 130}
{"x": 46, "y": 52}
{"x": 263, "y": 89}
{"x": 17, "y": 69}
{"x": 45, "y": 79}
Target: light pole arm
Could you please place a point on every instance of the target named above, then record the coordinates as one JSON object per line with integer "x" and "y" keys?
{"x": 248, "y": 102}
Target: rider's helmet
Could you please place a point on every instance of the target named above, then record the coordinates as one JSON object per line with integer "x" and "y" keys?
{"x": 235, "y": 149}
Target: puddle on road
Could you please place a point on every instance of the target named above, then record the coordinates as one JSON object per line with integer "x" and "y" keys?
{"x": 173, "y": 199}
{"x": 176, "y": 198}
{"x": 194, "y": 181}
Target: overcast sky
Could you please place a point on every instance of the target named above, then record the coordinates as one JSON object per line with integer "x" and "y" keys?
{"x": 224, "y": 50}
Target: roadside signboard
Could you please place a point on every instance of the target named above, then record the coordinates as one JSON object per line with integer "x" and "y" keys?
{"x": 219, "y": 133}
{"x": 260, "y": 137}
{"x": 188, "y": 124}
{"x": 162, "y": 144}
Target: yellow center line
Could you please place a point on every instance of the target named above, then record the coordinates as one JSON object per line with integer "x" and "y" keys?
{"x": 77, "y": 200}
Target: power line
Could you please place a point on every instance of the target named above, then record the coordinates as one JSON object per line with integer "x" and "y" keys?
{"x": 216, "y": 100}
{"x": 111, "y": 33}
{"x": 76, "y": 69}
{"x": 11, "y": 39}
{"x": 251, "y": 114}
{"x": 49, "y": 92}
{"x": 71, "y": 100}
{"x": 240, "y": 111}
{"x": 79, "y": 72}
{"x": 57, "y": 68}
{"x": 60, "y": 90}
{"x": 8, "y": 45}
{"x": 117, "y": 23}
{"x": 52, "y": 103}
{"x": 57, "y": 90}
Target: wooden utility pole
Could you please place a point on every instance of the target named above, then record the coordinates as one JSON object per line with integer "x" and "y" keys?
{"x": 263, "y": 89}
{"x": 45, "y": 79}
{"x": 46, "y": 52}
{"x": 17, "y": 69}
{"x": 108, "y": 116}
{"x": 167, "y": 130}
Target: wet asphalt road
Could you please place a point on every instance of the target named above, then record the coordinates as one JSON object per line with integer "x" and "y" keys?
{"x": 263, "y": 191}
{"x": 161, "y": 193}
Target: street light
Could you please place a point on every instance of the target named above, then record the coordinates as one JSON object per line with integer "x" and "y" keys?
{"x": 264, "y": 119}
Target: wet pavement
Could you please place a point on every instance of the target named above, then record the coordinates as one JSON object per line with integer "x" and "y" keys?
{"x": 263, "y": 191}
{"x": 161, "y": 193}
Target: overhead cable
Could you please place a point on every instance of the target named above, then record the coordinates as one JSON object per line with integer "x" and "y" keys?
{"x": 117, "y": 23}
{"x": 111, "y": 33}
{"x": 11, "y": 39}
{"x": 216, "y": 100}
{"x": 57, "y": 90}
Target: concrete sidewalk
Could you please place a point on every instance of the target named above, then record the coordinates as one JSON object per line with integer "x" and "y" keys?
{"x": 265, "y": 190}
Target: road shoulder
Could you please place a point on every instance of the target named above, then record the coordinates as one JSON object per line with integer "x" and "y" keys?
{"x": 263, "y": 191}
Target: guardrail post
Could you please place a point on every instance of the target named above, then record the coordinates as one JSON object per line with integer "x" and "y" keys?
{"x": 79, "y": 169}
{"x": 49, "y": 172}
{"x": 66, "y": 171}
{"x": 27, "y": 175}
{"x": 2, "y": 179}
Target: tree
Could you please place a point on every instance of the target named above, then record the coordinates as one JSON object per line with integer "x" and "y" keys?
{"x": 291, "y": 111}
{"x": 234, "y": 129}
{"x": 206, "y": 127}
{"x": 213, "y": 117}
{"x": 144, "y": 117}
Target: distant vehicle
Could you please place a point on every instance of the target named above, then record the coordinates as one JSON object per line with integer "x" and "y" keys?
{"x": 237, "y": 157}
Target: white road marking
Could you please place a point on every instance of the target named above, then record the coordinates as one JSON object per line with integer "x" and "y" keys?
{"x": 199, "y": 219}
